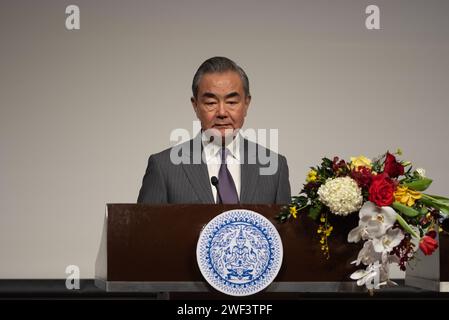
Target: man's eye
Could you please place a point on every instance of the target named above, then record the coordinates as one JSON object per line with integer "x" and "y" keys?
{"x": 232, "y": 102}
{"x": 209, "y": 103}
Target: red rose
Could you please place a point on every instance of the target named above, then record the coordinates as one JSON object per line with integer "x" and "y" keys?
{"x": 381, "y": 190}
{"x": 363, "y": 176}
{"x": 428, "y": 245}
{"x": 393, "y": 168}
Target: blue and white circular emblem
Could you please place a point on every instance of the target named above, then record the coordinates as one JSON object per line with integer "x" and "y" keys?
{"x": 239, "y": 252}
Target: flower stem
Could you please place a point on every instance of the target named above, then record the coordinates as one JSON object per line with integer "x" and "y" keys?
{"x": 406, "y": 226}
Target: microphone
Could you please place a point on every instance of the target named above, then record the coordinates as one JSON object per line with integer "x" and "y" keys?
{"x": 214, "y": 181}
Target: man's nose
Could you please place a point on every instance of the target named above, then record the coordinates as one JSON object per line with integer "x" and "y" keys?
{"x": 222, "y": 113}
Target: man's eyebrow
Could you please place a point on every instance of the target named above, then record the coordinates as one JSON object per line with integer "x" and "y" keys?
{"x": 208, "y": 95}
{"x": 211, "y": 95}
{"x": 232, "y": 95}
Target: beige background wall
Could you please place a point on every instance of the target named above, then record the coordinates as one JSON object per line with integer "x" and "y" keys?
{"x": 80, "y": 111}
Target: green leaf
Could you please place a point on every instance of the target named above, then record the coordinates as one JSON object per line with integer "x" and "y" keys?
{"x": 406, "y": 226}
{"x": 315, "y": 211}
{"x": 408, "y": 211}
{"x": 281, "y": 217}
{"x": 301, "y": 201}
{"x": 439, "y": 198}
{"x": 436, "y": 202}
{"x": 432, "y": 204}
{"x": 423, "y": 211}
{"x": 326, "y": 162}
{"x": 418, "y": 185}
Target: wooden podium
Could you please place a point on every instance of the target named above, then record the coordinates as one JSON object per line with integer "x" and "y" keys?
{"x": 152, "y": 248}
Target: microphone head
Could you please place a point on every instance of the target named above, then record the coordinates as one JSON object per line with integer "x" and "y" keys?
{"x": 214, "y": 181}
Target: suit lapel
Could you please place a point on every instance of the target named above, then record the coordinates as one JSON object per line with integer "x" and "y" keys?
{"x": 249, "y": 173}
{"x": 198, "y": 174}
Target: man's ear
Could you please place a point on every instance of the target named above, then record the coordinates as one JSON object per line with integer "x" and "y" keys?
{"x": 194, "y": 105}
{"x": 247, "y": 102}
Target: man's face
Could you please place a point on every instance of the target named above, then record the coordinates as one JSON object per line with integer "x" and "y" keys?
{"x": 221, "y": 103}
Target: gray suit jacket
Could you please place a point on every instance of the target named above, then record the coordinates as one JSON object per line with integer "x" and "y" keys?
{"x": 165, "y": 182}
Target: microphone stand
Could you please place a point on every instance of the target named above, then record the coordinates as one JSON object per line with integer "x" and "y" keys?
{"x": 214, "y": 181}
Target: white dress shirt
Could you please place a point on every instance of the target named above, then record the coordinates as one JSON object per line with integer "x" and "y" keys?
{"x": 212, "y": 157}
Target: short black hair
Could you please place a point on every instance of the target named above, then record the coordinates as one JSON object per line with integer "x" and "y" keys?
{"x": 219, "y": 65}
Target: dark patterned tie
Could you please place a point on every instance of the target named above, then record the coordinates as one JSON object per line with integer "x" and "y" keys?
{"x": 226, "y": 184}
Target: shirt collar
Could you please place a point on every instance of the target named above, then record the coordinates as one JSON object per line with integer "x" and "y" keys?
{"x": 212, "y": 149}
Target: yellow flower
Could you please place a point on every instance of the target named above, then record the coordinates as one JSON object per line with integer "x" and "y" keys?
{"x": 293, "y": 211}
{"x": 360, "y": 161}
{"x": 311, "y": 176}
{"x": 329, "y": 230}
{"x": 406, "y": 196}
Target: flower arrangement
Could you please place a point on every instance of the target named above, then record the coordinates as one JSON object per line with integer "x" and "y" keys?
{"x": 396, "y": 217}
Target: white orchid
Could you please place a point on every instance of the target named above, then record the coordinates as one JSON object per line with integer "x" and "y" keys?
{"x": 359, "y": 232}
{"x": 373, "y": 276}
{"x": 375, "y": 226}
{"x": 388, "y": 241}
{"x": 376, "y": 273}
{"x": 374, "y": 222}
{"x": 367, "y": 255}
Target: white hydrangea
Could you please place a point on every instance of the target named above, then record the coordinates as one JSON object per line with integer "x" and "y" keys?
{"x": 342, "y": 195}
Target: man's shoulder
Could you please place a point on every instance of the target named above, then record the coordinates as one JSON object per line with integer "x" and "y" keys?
{"x": 178, "y": 149}
{"x": 260, "y": 149}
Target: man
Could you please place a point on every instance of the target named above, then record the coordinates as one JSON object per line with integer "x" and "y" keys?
{"x": 218, "y": 165}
